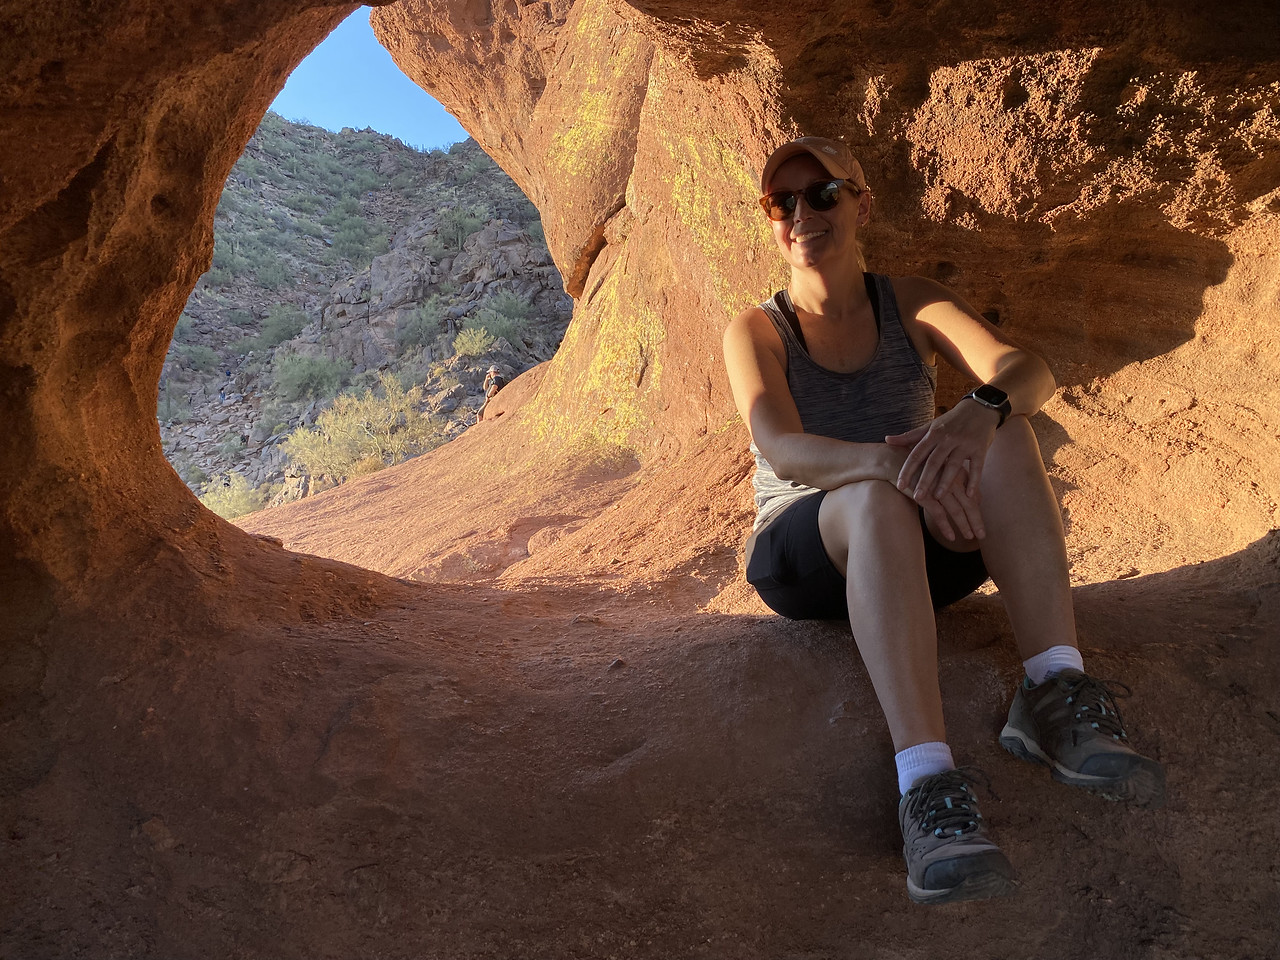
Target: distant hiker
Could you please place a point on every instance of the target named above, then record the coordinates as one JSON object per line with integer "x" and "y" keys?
{"x": 871, "y": 505}
{"x": 493, "y": 382}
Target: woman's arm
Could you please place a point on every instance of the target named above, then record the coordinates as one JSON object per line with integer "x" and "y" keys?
{"x": 756, "y": 363}
{"x": 949, "y": 452}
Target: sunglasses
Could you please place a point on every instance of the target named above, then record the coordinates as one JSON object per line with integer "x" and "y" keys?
{"x": 823, "y": 195}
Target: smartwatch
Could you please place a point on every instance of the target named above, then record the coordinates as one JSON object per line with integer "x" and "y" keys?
{"x": 992, "y": 398}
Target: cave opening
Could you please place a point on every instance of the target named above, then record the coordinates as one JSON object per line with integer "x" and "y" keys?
{"x": 361, "y": 289}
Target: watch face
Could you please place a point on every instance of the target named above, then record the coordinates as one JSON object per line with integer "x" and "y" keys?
{"x": 991, "y": 396}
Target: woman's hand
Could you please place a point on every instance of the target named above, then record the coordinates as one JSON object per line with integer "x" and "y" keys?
{"x": 943, "y": 470}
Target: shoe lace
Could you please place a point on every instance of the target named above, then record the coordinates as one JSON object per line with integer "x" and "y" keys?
{"x": 946, "y": 806}
{"x": 1093, "y": 701}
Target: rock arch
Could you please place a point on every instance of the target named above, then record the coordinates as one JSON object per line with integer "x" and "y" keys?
{"x": 1103, "y": 178}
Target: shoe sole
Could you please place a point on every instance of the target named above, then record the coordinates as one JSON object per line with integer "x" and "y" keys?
{"x": 1143, "y": 785}
{"x": 980, "y": 886}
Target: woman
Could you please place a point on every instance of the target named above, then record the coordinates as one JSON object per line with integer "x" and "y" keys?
{"x": 869, "y": 506}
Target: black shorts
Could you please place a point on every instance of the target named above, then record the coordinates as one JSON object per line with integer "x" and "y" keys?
{"x": 790, "y": 569}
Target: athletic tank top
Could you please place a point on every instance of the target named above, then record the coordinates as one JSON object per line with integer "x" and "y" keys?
{"x": 892, "y": 394}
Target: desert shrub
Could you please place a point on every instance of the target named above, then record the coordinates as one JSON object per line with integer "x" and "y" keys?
{"x": 184, "y": 327}
{"x": 459, "y": 222}
{"x": 250, "y": 167}
{"x": 470, "y": 170}
{"x": 422, "y": 326}
{"x": 233, "y": 497}
{"x": 198, "y": 357}
{"x": 317, "y": 378}
{"x": 273, "y": 275}
{"x": 172, "y": 406}
{"x": 303, "y": 202}
{"x": 473, "y": 342}
{"x": 226, "y": 257}
{"x": 365, "y": 432}
{"x": 509, "y": 304}
{"x": 190, "y": 473}
{"x": 505, "y": 315}
{"x": 284, "y": 322}
{"x": 310, "y": 228}
{"x": 355, "y": 239}
{"x": 361, "y": 181}
{"x": 231, "y": 447}
{"x": 341, "y": 211}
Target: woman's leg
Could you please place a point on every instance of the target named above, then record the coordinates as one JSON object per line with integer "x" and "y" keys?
{"x": 872, "y": 534}
{"x": 1024, "y": 549}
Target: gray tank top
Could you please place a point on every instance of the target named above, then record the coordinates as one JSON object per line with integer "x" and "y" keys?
{"x": 892, "y": 394}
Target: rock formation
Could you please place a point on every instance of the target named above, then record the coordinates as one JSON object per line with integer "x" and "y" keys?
{"x": 214, "y": 746}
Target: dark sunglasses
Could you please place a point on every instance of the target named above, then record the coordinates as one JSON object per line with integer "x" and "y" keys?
{"x": 823, "y": 195}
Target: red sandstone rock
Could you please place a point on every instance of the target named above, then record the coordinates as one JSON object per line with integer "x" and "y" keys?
{"x": 214, "y": 747}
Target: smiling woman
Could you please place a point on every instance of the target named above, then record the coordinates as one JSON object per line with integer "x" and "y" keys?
{"x": 872, "y": 506}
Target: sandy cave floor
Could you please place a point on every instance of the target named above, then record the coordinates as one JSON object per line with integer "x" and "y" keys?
{"x": 574, "y": 770}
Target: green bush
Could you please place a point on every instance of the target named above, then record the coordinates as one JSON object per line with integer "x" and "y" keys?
{"x": 284, "y": 322}
{"x": 504, "y": 315}
{"x": 172, "y": 405}
{"x": 225, "y": 257}
{"x": 184, "y": 327}
{"x": 232, "y": 447}
{"x": 459, "y": 222}
{"x": 318, "y": 378}
{"x": 361, "y": 433}
{"x": 422, "y": 326}
{"x": 341, "y": 211}
{"x": 273, "y": 276}
{"x": 191, "y": 474}
{"x": 303, "y": 202}
{"x": 232, "y": 497}
{"x": 473, "y": 342}
{"x": 198, "y": 357}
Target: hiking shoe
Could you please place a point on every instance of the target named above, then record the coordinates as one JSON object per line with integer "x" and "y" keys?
{"x": 948, "y": 855}
{"x": 1071, "y": 723}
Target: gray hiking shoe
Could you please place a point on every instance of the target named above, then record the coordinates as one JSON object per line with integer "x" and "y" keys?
{"x": 948, "y": 855}
{"x": 1071, "y": 723}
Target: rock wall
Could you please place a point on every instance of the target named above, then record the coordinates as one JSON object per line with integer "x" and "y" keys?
{"x": 209, "y": 745}
{"x": 1103, "y": 182}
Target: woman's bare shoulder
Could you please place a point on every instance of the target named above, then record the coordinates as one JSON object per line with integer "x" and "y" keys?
{"x": 915, "y": 293}
{"x": 753, "y": 324}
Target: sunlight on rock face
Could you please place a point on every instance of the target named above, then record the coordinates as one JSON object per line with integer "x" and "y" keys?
{"x": 588, "y": 740}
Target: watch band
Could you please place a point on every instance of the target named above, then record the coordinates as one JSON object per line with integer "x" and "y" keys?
{"x": 993, "y": 398}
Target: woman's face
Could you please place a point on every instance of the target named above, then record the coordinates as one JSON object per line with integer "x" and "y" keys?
{"x": 810, "y": 237}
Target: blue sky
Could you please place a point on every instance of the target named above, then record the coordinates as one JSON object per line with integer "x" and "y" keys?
{"x": 351, "y": 81}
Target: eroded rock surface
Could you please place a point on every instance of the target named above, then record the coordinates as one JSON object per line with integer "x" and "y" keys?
{"x": 209, "y": 742}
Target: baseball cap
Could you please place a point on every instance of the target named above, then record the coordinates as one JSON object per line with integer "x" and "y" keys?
{"x": 836, "y": 158}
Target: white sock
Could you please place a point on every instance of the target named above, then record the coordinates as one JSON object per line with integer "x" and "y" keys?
{"x": 922, "y": 760}
{"x": 1054, "y": 660}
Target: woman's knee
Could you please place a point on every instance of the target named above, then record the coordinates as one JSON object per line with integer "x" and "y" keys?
{"x": 864, "y": 509}
{"x": 863, "y": 497}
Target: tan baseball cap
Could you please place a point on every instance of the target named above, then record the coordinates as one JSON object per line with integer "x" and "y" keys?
{"x": 835, "y": 157}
